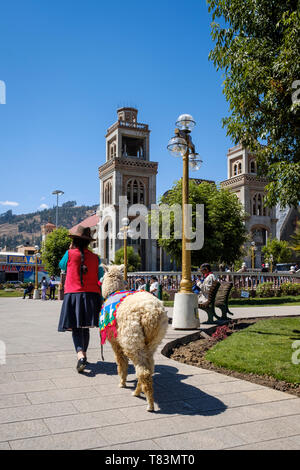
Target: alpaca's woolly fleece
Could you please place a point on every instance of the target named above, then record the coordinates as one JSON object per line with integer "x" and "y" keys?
{"x": 141, "y": 326}
{"x": 113, "y": 280}
{"x": 142, "y": 322}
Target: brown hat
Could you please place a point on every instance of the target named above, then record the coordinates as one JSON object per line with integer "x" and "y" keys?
{"x": 81, "y": 232}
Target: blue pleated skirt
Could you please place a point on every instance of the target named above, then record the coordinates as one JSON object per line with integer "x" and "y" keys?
{"x": 80, "y": 310}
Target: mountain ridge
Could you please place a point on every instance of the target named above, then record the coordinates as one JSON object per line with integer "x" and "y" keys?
{"x": 22, "y": 229}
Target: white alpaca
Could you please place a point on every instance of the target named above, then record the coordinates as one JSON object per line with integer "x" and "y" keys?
{"x": 141, "y": 325}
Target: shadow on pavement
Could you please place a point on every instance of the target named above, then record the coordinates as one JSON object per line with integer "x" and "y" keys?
{"x": 171, "y": 394}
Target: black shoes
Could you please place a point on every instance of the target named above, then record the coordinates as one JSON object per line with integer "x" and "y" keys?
{"x": 81, "y": 364}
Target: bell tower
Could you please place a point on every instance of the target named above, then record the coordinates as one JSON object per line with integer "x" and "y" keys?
{"x": 127, "y": 172}
{"x": 242, "y": 179}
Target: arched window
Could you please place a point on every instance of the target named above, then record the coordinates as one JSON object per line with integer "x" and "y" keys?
{"x": 108, "y": 193}
{"x": 254, "y": 205}
{"x": 142, "y": 193}
{"x": 135, "y": 199}
{"x": 239, "y": 168}
{"x": 258, "y": 207}
{"x": 265, "y": 209}
{"x": 235, "y": 170}
{"x": 252, "y": 167}
{"x": 108, "y": 240}
{"x": 112, "y": 150}
{"x": 135, "y": 192}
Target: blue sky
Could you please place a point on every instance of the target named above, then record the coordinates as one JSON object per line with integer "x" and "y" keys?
{"x": 68, "y": 65}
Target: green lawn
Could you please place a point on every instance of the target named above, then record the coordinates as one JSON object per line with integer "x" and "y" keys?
{"x": 256, "y": 302}
{"x": 262, "y": 348}
{"x": 265, "y": 301}
{"x": 285, "y": 304}
{"x": 169, "y": 303}
{"x": 13, "y": 293}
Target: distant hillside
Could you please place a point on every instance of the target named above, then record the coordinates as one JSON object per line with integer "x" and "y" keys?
{"x": 26, "y": 228}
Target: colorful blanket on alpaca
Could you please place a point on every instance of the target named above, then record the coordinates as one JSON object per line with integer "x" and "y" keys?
{"x": 108, "y": 323}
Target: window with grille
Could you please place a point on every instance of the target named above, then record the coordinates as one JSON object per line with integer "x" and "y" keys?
{"x": 135, "y": 192}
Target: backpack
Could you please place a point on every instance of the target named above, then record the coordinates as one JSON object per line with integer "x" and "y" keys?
{"x": 195, "y": 289}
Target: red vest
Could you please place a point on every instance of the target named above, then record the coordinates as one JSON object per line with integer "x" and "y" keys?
{"x": 89, "y": 279}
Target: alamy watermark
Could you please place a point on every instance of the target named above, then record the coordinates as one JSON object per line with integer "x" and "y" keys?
{"x": 2, "y": 353}
{"x": 296, "y": 354}
{"x": 161, "y": 221}
{"x": 2, "y": 92}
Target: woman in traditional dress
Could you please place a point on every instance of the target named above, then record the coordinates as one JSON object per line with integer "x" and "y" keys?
{"x": 82, "y": 295}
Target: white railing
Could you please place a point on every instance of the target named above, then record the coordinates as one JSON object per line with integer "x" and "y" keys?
{"x": 170, "y": 280}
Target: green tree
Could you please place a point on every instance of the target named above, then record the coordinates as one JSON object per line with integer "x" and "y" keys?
{"x": 224, "y": 229}
{"x": 133, "y": 259}
{"x": 279, "y": 249}
{"x": 53, "y": 249}
{"x": 257, "y": 47}
{"x": 295, "y": 239}
{"x": 69, "y": 204}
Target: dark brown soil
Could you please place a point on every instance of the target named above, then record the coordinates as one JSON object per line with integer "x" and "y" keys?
{"x": 193, "y": 353}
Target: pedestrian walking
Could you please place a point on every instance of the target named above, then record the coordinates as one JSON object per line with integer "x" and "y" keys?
{"x": 52, "y": 286}
{"x": 82, "y": 298}
{"x": 44, "y": 287}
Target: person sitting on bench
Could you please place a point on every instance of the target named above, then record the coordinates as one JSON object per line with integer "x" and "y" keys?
{"x": 206, "y": 284}
{"x": 28, "y": 290}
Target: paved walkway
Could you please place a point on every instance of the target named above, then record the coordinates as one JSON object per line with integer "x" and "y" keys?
{"x": 46, "y": 404}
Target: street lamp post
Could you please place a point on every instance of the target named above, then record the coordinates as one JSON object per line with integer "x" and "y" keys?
{"x": 122, "y": 235}
{"x": 58, "y": 192}
{"x": 271, "y": 261}
{"x": 253, "y": 249}
{"x": 185, "y": 312}
{"x": 36, "y": 292}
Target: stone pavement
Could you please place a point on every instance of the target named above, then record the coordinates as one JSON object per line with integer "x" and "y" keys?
{"x": 46, "y": 404}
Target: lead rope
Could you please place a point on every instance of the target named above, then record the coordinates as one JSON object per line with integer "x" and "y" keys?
{"x": 102, "y": 357}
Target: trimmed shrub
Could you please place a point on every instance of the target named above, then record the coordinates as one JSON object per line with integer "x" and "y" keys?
{"x": 165, "y": 295}
{"x": 265, "y": 289}
{"x": 236, "y": 292}
{"x": 9, "y": 286}
{"x": 289, "y": 288}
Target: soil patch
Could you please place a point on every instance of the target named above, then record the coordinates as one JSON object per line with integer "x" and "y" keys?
{"x": 193, "y": 351}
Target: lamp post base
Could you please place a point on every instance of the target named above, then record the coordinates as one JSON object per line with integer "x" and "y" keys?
{"x": 185, "y": 312}
{"x": 36, "y": 294}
